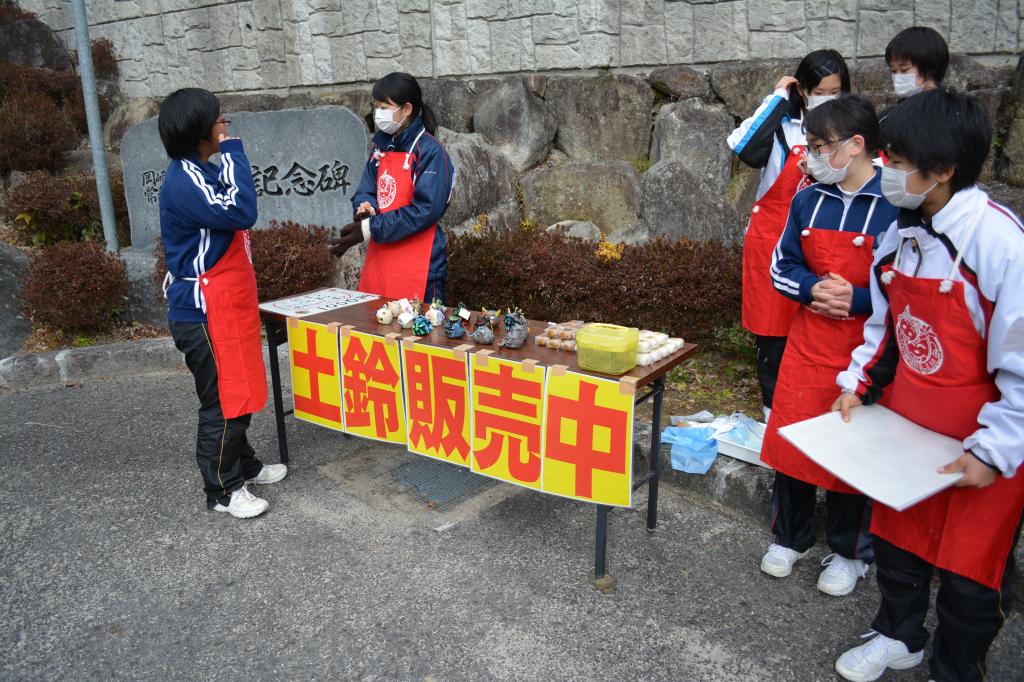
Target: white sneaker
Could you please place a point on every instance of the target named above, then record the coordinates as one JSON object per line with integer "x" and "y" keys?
{"x": 243, "y": 504}
{"x": 868, "y": 661}
{"x": 270, "y": 473}
{"x": 841, "y": 575}
{"x": 778, "y": 560}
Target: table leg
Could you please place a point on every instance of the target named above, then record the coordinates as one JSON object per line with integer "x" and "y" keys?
{"x": 655, "y": 457}
{"x": 273, "y": 328}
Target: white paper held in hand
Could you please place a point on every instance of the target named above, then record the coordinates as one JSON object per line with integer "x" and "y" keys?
{"x": 880, "y": 453}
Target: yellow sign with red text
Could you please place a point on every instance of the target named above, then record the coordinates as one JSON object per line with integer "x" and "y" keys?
{"x": 436, "y": 384}
{"x": 372, "y": 383}
{"x": 316, "y": 373}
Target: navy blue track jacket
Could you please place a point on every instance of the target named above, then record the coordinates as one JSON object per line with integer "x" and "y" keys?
{"x": 433, "y": 177}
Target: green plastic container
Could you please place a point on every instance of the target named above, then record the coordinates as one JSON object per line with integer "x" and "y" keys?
{"x": 607, "y": 348}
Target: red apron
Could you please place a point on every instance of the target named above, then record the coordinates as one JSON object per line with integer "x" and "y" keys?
{"x": 397, "y": 269}
{"x": 818, "y": 349}
{"x": 941, "y": 383}
{"x": 233, "y": 313}
{"x": 766, "y": 312}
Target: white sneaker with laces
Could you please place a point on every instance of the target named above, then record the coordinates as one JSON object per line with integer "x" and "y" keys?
{"x": 778, "y": 560}
{"x": 868, "y": 661}
{"x": 270, "y": 473}
{"x": 841, "y": 575}
{"x": 244, "y": 505}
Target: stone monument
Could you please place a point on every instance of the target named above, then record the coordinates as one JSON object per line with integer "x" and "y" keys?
{"x": 306, "y": 164}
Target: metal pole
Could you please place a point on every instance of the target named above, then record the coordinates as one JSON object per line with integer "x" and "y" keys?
{"x": 92, "y": 116}
{"x": 273, "y": 328}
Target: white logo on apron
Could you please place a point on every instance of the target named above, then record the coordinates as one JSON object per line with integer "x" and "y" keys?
{"x": 387, "y": 188}
{"x": 919, "y": 344}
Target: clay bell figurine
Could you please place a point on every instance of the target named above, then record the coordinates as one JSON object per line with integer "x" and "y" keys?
{"x": 395, "y": 308}
{"x": 483, "y": 334}
{"x": 516, "y": 329}
{"x": 436, "y": 313}
{"x": 453, "y": 328}
{"x": 384, "y": 315}
{"x": 421, "y": 326}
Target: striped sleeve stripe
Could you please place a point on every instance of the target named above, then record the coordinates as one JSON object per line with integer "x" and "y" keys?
{"x": 783, "y": 283}
{"x": 212, "y": 196}
{"x": 757, "y": 123}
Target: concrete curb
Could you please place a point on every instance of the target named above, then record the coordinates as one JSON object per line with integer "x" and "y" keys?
{"x": 75, "y": 365}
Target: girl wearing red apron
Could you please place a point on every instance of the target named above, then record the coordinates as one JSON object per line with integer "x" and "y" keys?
{"x": 404, "y": 191}
{"x": 205, "y": 215}
{"x": 943, "y": 347}
{"x": 823, "y": 263}
{"x": 773, "y": 140}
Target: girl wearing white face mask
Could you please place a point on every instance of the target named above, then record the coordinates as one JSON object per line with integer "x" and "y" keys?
{"x": 772, "y": 139}
{"x": 823, "y": 262}
{"x": 404, "y": 192}
{"x": 917, "y": 58}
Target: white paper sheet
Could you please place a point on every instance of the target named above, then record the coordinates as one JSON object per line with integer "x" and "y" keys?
{"x": 315, "y": 302}
{"x": 885, "y": 456}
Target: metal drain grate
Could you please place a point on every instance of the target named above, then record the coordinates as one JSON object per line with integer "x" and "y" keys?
{"x": 444, "y": 484}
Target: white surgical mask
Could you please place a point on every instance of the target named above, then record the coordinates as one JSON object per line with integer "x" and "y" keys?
{"x": 894, "y": 188}
{"x": 905, "y": 84}
{"x": 823, "y": 171}
{"x": 815, "y": 100}
{"x": 385, "y": 121}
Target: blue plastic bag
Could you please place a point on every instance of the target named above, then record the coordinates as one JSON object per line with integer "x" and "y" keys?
{"x": 693, "y": 449}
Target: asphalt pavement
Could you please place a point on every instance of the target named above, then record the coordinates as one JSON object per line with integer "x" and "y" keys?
{"x": 112, "y": 568}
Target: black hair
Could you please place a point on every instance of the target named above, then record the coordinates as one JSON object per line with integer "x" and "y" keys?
{"x": 842, "y": 118}
{"x": 813, "y": 68}
{"x": 401, "y": 88}
{"x": 938, "y": 130}
{"x": 186, "y": 117}
{"x": 924, "y": 48}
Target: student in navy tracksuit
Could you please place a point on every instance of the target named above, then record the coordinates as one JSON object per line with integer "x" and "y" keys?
{"x": 404, "y": 192}
{"x": 823, "y": 262}
{"x": 205, "y": 214}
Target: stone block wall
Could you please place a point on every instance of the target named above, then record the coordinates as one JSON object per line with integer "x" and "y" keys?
{"x": 275, "y": 45}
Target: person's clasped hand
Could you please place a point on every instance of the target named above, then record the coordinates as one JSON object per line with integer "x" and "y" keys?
{"x": 833, "y": 297}
{"x": 350, "y": 235}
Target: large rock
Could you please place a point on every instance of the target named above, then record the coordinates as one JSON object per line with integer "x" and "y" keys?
{"x": 679, "y": 82}
{"x": 129, "y": 113}
{"x": 608, "y": 117}
{"x": 517, "y": 122}
{"x": 1013, "y": 148}
{"x": 14, "y": 329}
{"x": 743, "y": 85}
{"x": 454, "y": 101}
{"x": 872, "y": 75}
{"x": 30, "y": 42}
{"x": 694, "y": 132}
{"x": 485, "y": 184}
{"x": 676, "y": 204}
{"x": 580, "y": 229}
{"x": 606, "y": 193}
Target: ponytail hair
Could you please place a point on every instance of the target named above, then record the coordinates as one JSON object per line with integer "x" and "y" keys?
{"x": 401, "y": 88}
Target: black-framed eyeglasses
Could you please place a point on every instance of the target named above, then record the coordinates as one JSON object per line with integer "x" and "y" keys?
{"x": 223, "y": 121}
{"x": 816, "y": 148}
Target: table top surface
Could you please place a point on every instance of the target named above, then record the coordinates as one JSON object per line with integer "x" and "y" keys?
{"x": 362, "y": 317}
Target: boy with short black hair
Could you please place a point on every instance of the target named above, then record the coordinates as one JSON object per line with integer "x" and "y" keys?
{"x": 943, "y": 347}
{"x": 918, "y": 58}
{"x": 213, "y": 311}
